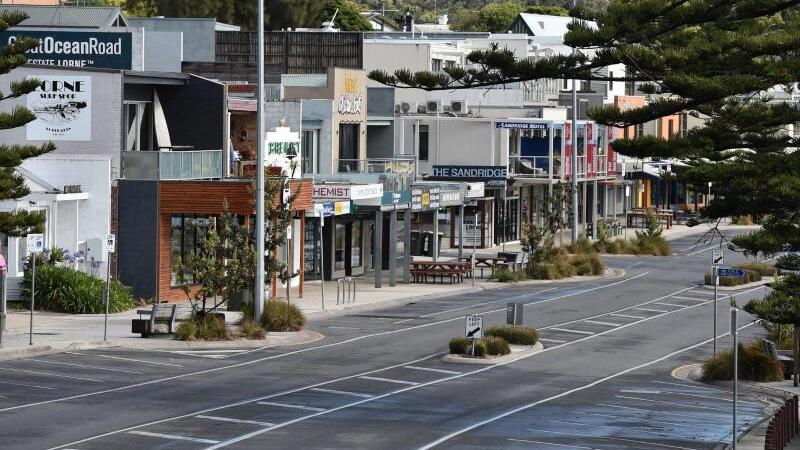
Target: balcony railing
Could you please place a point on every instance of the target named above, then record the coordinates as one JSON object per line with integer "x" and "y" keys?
{"x": 375, "y": 165}
{"x": 539, "y": 166}
{"x": 173, "y": 165}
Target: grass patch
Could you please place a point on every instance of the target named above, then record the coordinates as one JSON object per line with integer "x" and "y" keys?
{"x": 489, "y": 345}
{"x": 496, "y": 346}
{"x": 559, "y": 264}
{"x": 643, "y": 244}
{"x": 251, "y": 329}
{"x": 766, "y": 270}
{"x": 514, "y": 335}
{"x": 754, "y": 365}
{"x": 62, "y": 289}
{"x": 508, "y": 276}
{"x": 588, "y": 264}
{"x": 278, "y": 316}
{"x": 208, "y": 327}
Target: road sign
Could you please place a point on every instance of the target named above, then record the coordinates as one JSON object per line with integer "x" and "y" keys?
{"x": 474, "y": 327}
{"x": 737, "y": 273}
{"x": 110, "y": 243}
{"x": 35, "y": 243}
{"x": 717, "y": 257}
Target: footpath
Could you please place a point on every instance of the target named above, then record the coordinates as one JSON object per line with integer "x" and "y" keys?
{"x": 54, "y": 331}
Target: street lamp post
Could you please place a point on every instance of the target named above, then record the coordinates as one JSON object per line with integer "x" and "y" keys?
{"x": 258, "y": 308}
{"x": 574, "y": 156}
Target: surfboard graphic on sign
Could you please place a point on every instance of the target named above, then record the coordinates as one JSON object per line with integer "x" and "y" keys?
{"x": 62, "y": 106}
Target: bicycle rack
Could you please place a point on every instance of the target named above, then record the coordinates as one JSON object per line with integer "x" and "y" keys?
{"x": 346, "y": 290}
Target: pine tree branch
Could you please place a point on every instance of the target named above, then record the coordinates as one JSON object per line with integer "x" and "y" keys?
{"x": 18, "y": 117}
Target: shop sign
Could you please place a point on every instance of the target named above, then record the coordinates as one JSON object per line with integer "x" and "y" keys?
{"x": 62, "y": 105}
{"x": 348, "y": 191}
{"x": 451, "y": 198}
{"x": 521, "y": 125}
{"x": 470, "y": 172}
{"x": 76, "y": 48}
{"x": 331, "y": 191}
{"x": 424, "y": 198}
{"x": 394, "y": 198}
{"x": 284, "y": 150}
{"x": 341, "y": 208}
{"x": 323, "y": 209}
{"x": 366, "y": 191}
{"x": 475, "y": 190}
{"x": 350, "y": 100}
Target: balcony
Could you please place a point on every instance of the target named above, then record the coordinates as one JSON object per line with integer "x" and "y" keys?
{"x": 375, "y": 165}
{"x": 538, "y": 167}
{"x": 173, "y": 165}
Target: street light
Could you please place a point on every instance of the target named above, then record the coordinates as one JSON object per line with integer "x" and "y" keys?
{"x": 258, "y": 308}
{"x": 291, "y": 154}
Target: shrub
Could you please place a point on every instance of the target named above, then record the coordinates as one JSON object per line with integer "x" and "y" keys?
{"x": 251, "y": 329}
{"x": 583, "y": 247}
{"x": 496, "y": 346}
{"x": 278, "y": 316}
{"x": 742, "y": 220}
{"x": 781, "y": 335}
{"x": 514, "y": 335}
{"x": 66, "y": 290}
{"x": 459, "y": 345}
{"x": 765, "y": 270}
{"x": 651, "y": 245}
{"x": 207, "y": 327}
{"x": 789, "y": 261}
{"x": 751, "y": 276}
{"x": 588, "y": 264}
{"x": 480, "y": 348}
{"x": 754, "y": 365}
{"x": 504, "y": 275}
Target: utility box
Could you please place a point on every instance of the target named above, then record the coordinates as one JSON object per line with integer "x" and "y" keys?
{"x": 95, "y": 249}
{"x": 514, "y": 313}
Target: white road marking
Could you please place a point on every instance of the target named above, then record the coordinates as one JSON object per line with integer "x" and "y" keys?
{"x": 297, "y": 352}
{"x": 681, "y": 415}
{"x": 527, "y": 294}
{"x": 291, "y": 422}
{"x": 564, "y": 422}
{"x": 555, "y": 341}
{"x": 743, "y": 402}
{"x": 349, "y": 328}
{"x": 336, "y": 391}
{"x": 186, "y": 352}
{"x": 639, "y": 391}
{"x": 529, "y": 441}
{"x": 611, "y": 439}
{"x": 564, "y": 330}
{"x": 691, "y": 386}
{"x": 715, "y": 246}
{"x": 232, "y": 420}
{"x": 50, "y": 374}
{"x": 125, "y": 359}
{"x": 670, "y": 304}
{"x": 292, "y": 406}
{"x": 85, "y": 366}
{"x": 431, "y": 369}
{"x": 629, "y": 316}
{"x": 702, "y": 292}
{"x": 692, "y": 298}
{"x": 651, "y": 310}
{"x": 672, "y": 403}
{"x": 174, "y": 437}
{"x": 648, "y": 420}
{"x": 390, "y": 380}
{"x": 608, "y": 324}
{"x": 28, "y": 385}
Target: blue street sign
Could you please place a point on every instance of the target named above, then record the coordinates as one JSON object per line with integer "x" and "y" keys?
{"x": 738, "y": 273}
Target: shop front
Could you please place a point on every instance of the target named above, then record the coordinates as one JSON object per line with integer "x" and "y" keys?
{"x": 436, "y": 210}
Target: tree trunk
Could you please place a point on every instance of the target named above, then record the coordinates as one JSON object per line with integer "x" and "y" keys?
{"x": 795, "y": 352}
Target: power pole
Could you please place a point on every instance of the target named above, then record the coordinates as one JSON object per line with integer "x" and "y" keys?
{"x": 258, "y": 308}
{"x": 574, "y": 156}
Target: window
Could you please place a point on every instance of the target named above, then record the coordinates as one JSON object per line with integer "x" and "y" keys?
{"x": 349, "y": 143}
{"x": 565, "y": 84}
{"x": 423, "y": 143}
{"x": 585, "y": 86}
{"x": 436, "y": 65}
{"x": 310, "y": 150}
{"x": 611, "y": 81}
{"x": 670, "y": 128}
{"x": 188, "y": 234}
{"x": 139, "y": 135}
{"x": 639, "y": 131}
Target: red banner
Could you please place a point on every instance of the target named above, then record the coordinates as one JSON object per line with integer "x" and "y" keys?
{"x": 591, "y": 150}
{"x": 612, "y": 156}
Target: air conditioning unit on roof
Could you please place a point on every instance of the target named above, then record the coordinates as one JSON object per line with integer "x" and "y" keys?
{"x": 459, "y": 106}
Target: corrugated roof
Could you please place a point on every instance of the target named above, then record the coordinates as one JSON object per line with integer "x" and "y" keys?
{"x": 544, "y": 25}
{"x": 318, "y": 80}
{"x": 69, "y": 16}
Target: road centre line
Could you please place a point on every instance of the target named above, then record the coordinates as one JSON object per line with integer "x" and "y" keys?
{"x": 243, "y": 402}
{"x": 611, "y": 438}
{"x": 51, "y": 374}
{"x": 430, "y": 369}
{"x": 294, "y": 352}
{"x": 124, "y": 359}
{"x": 85, "y": 366}
{"x": 291, "y": 406}
{"x": 399, "y": 391}
{"x": 389, "y": 380}
{"x": 174, "y": 437}
{"x": 597, "y": 322}
{"x": 336, "y": 391}
{"x": 627, "y": 316}
{"x": 528, "y": 441}
{"x": 232, "y": 420}
{"x": 564, "y": 330}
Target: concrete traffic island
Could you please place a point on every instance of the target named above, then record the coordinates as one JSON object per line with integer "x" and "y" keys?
{"x": 517, "y": 352}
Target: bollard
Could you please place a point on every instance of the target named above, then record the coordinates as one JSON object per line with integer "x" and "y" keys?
{"x": 346, "y": 290}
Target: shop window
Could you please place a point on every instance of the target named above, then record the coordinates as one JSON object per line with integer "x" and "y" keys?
{"x": 310, "y": 150}
{"x": 139, "y": 120}
{"x": 355, "y": 245}
{"x": 349, "y": 139}
{"x": 338, "y": 253}
{"x": 423, "y": 145}
{"x": 188, "y": 234}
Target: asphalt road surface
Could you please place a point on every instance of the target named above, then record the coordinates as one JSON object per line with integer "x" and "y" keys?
{"x": 378, "y": 380}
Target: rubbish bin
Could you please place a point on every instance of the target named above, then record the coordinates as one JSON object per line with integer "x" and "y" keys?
{"x": 427, "y": 246}
{"x": 417, "y": 243}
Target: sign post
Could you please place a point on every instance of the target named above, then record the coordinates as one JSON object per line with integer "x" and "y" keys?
{"x": 717, "y": 259}
{"x": 735, "y": 334}
{"x": 474, "y": 244}
{"x": 3, "y": 273}
{"x": 35, "y": 245}
{"x": 110, "y": 245}
{"x": 473, "y": 329}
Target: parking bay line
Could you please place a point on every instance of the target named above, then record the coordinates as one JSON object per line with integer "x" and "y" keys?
{"x": 660, "y": 311}
{"x": 555, "y": 341}
{"x": 670, "y": 304}
{"x": 682, "y": 415}
{"x": 125, "y": 359}
{"x": 663, "y": 422}
{"x": 301, "y": 351}
{"x": 50, "y": 374}
{"x": 34, "y": 386}
{"x": 232, "y": 420}
{"x": 174, "y": 437}
{"x": 628, "y": 316}
{"x": 85, "y": 366}
{"x": 672, "y": 403}
{"x": 694, "y": 299}
{"x": 611, "y": 438}
{"x": 597, "y": 322}
{"x": 529, "y": 441}
{"x": 643, "y": 430}
{"x": 430, "y": 369}
{"x": 399, "y": 391}
{"x": 336, "y": 391}
{"x": 390, "y": 380}
{"x": 292, "y": 406}
{"x": 564, "y": 330}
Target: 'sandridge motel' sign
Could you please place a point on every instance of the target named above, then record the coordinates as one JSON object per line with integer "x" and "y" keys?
{"x": 76, "y": 48}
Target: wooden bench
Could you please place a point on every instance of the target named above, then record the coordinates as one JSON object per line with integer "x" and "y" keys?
{"x": 787, "y": 362}
{"x": 161, "y": 313}
{"x": 515, "y": 260}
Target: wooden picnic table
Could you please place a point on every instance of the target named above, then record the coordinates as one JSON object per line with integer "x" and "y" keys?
{"x": 664, "y": 217}
{"x": 455, "y": 270}
{"x": 484, "y": 262}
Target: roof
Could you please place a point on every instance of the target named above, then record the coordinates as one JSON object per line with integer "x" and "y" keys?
{"x": 69, "y": 16}
{"x": 544, "y": 25}
{"x": 317, "y": 80}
